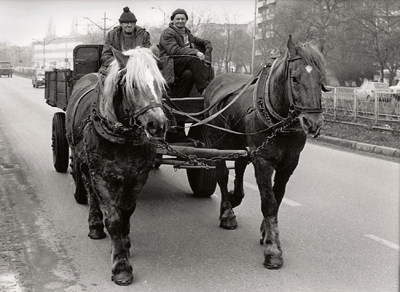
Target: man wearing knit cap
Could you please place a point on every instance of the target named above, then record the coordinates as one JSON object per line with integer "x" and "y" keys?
{"x": 124, "y": 37}
{"x": 176, "y": 41}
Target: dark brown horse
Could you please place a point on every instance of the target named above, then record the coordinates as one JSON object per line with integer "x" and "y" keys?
{"x": 288, "y": 87}
{"x": 107, "y": 131}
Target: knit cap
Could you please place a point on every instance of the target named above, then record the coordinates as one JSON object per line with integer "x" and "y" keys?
{"x": 127, "y": 16}
{"x": 179, "y": 11}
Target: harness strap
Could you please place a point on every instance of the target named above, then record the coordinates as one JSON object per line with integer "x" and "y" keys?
{"x": 74, "y": 110}
{"x": 213, "y": 116}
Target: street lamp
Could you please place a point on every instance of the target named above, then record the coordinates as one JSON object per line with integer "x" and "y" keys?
{"x": 44, "y": 44}
{"x": 158, "y": 8}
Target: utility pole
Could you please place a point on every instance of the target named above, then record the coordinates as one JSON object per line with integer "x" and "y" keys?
{"x": 254, "y": 38}
{"x": 44, "y": 43}
{"x": 19, "y": 50}
{"x": 104, "y": 28}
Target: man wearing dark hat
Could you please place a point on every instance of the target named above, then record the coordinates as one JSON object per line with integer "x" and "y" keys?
{"x": 176, "y": 41}
{"x": 124, "y": 37}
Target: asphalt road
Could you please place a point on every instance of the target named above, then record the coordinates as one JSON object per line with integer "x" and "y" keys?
{"x": 339, "y": 222}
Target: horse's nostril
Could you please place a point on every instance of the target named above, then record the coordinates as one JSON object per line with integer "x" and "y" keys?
{"x": 152, "y": 127}
{"x": 306, "y": 123}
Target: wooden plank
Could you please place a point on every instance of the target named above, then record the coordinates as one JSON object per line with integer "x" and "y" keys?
{"x": 58, "y": 88}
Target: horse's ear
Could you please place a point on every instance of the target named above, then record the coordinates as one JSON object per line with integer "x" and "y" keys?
{"x": 291, "y": 46}
{"x": 121, "y": 58}
{"x": 319, "y": 45}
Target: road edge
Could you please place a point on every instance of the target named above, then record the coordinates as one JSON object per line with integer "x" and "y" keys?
{"x": 359, "y": 146}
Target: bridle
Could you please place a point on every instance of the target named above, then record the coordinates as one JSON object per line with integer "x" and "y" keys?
{"x": 132, "y": 116}
{"x": 293, "y": 107}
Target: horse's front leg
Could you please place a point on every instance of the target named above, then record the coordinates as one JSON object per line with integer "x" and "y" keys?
{"x": 227, "y": 218}
{"x": 237, "y": 195}
{"x": 96, "y": 226}
{"x": 118, "y": 226}
{"x": 269, "y": 207}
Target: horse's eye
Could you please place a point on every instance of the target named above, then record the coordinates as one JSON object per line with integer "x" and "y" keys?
{"x": 295, "y": 79}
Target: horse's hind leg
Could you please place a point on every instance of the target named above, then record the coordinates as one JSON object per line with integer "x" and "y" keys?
{"x": 237, "y": 195}
{"x": 227, "y": 218}
{"x": 269, "y": 207}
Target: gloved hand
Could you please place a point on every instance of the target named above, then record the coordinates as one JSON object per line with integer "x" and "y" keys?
{"x": 209, "y": 47}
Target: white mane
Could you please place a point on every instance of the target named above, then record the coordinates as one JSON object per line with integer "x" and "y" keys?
{"x": 141, "y": 65}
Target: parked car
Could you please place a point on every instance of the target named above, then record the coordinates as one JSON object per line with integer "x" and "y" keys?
{"x": 6, "y": 68}
{"x": 367, "y": 90}
{"x": 396, "y": 90}
{"x": 38, "y": 78}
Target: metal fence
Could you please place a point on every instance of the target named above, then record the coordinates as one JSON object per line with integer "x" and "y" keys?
{"x": 342, "y": 103}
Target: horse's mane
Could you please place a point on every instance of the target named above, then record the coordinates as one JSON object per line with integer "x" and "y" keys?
{"x": 140, "y": 62}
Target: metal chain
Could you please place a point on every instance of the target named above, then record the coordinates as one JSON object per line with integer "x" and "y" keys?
{"x": 193, "y": 159}
{"x": 207, "y": 162}
{"x": 270, "y": 140}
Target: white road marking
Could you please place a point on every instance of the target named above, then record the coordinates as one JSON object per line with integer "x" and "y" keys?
{"x": 383, "y": 241}
{"x": 255, "y": 188}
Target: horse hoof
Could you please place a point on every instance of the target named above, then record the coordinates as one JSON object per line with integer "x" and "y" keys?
{"x": 228, "y": 224}
{"x": 273, "y": 263}
{"x": 97, "y": 234}
{"x": 123, "y": 279}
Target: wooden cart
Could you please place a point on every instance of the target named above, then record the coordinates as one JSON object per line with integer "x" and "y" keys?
{"x": 86, "y": 59}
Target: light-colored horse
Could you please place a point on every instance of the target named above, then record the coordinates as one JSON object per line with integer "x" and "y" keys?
{"x": 108, "y": 130}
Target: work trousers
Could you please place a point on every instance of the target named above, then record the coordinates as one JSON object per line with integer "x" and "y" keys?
{"x": 191, "y": 70}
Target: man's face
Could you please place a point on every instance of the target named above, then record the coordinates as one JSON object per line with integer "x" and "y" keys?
{"x": 128, "y": 27}
{"x": 179, "y": 20}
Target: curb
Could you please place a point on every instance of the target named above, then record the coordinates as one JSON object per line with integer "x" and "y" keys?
{"x": 359, "y": 146}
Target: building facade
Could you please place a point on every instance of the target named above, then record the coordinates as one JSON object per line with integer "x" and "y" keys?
{"x": 56, "y": 52}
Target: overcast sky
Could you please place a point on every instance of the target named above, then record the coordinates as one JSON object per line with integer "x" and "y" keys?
{"x": 23, "y": 20}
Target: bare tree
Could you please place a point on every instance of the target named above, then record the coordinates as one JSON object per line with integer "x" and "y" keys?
{"x": 377, "y": 27}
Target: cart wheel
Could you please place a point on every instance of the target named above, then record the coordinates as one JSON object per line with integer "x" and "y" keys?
{"x": 59, "y": 143}
{"x": 80, "y": 194}
{"x": 202, "y": 181}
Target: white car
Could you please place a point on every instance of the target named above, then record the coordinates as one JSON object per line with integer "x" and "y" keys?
{"x": 367, "y": 90}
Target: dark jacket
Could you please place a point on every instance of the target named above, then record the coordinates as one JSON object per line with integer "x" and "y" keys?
{"x": 114, "y": 39}
{"x": 172, "y": 43}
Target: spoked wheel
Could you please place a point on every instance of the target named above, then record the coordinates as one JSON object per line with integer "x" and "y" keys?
{"x": 80, "y": 193}
{"x": 59, "y": 143}
{"x": 202, "y": 181}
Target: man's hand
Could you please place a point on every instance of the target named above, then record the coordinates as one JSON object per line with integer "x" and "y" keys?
{"x": 200, "y": 55}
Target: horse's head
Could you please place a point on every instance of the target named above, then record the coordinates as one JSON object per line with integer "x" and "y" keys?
{"x": 133, "y": 92}
{"x": 305, "y": 76}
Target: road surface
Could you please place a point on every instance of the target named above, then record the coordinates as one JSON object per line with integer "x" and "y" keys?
{"x": 339, "y": 222}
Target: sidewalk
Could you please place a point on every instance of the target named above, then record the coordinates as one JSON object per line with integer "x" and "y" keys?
{"x": 359, "y": 146}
